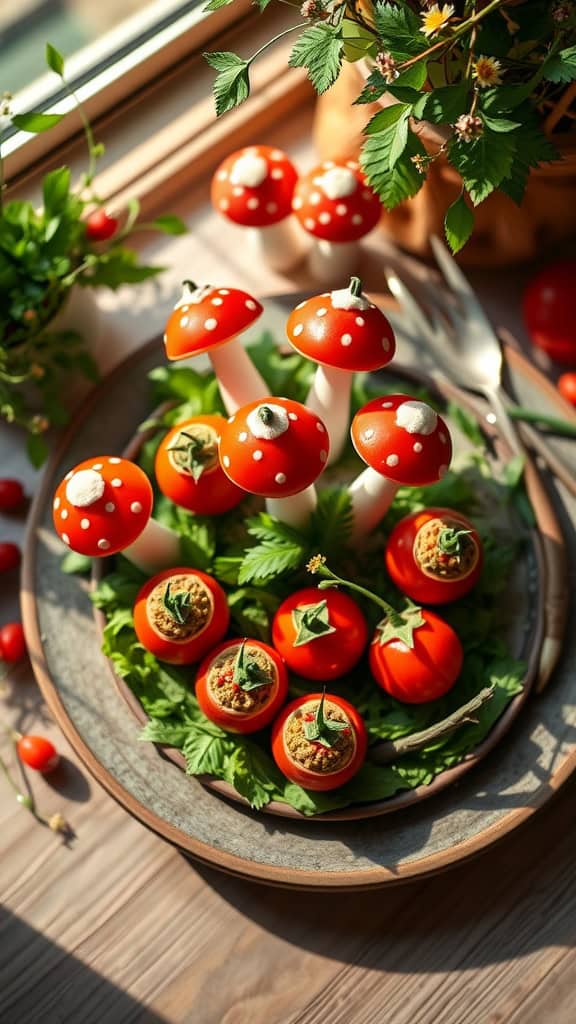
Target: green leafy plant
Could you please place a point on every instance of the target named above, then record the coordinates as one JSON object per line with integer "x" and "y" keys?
{"x": 70, "y": 240}
{"x": 484, "y": 73}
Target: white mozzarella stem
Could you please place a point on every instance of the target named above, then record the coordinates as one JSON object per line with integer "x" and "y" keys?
{"x": 295, "y": 510}
{"x": 329, "y": 398}
{"x": 333, "y": 262}
{"x": 156, "y": 548}
{"x": 279, "y": 246}
{"x": 238, "y": 378}
{"x": 371, "y": 494}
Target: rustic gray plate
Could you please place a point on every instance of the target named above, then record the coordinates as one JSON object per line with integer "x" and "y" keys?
{"x": 523, "y": 772}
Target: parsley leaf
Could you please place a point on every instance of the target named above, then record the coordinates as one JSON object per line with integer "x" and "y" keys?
{"x": 458, "y": 224}
{"x": 319, "y": 50}
{"x": 232, "y": 84}
{"x": 401, "y": 181}
{"x": 399, "y": 28}
{"x": 484, "y": 162}
{"x": 561, "y": 67}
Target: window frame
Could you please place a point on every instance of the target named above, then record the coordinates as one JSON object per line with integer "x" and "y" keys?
{"x": 120, "y": 73}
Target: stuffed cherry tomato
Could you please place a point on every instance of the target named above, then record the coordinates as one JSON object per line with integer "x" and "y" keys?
{"x": 319, "y": 741}
{"x": 241, "y": 685}
{"x": 321, "y": 634}
{"x": 188, "y": 470}
{"x": 566, "y": 385}
{"x": 180, "y": 614}
{"x": 422, "y": 672}
{"x": 434, "y": 556}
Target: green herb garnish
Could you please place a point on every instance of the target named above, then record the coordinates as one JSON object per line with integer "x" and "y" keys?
{"x": 248, "y": 674}
{"x": 177, "y": 604}
{"x": 321, "y": 729}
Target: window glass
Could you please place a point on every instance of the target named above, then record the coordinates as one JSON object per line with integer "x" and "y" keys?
{"x": 89, "y": 33}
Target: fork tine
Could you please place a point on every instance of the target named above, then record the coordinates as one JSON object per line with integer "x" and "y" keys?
{"x": 401, "y": 292}
{"x": 458, "y": 282}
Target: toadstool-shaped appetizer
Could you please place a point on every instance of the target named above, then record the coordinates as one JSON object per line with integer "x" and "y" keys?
{"x": 336, "y": 207}
{"x": 320, "y": 634}
{"x": 241, "y": 685}
{"x": 276, "y": 448}
{"x": 404, "y": 443}
{"x": 180, "y": 614}
{"x": 345, "y": 333}
{"x": 319, "y": 741}
{"x": 188, "y": 470}
{"x": 434, "y": 556}
{"x": 253, "y": 188}
{"x": 104, "y": 505}
{"x": 207, "y": 319}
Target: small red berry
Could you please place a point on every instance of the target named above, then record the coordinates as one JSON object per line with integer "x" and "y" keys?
{"x": 567, "y": 387}
{"x": 38, "y": 753}
{"x": 12, "y": 642}
{"x": 9, "y": 556}
{"x": 11, "y": 495}
{"x": 100, "y": 226}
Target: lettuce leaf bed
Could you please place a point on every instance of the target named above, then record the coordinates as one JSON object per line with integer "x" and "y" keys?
{"x": 259, "y": 561}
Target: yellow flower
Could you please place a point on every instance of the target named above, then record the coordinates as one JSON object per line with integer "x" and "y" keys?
{"x": 487, "y": 70}
{"x": 435, "y": 19}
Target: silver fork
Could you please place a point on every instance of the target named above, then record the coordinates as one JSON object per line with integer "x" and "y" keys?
{"x": 463, "y": 341}
{"x": 474, "y": 361}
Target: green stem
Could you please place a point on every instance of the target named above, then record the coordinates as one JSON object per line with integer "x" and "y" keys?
{"x": 293, "y": 28}
{"x": 556, "y": 424}
{"x": 460, "y": 30}
{"x": 332, "y": 580}
{"x": 389, "y": 750}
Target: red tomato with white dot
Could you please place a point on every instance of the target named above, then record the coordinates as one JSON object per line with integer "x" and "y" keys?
{"x": 12, "y": 642}
{"x": 549, "y": 311}
{"x": 102, "y": 505}
{"x": 423, "y": 672}
{"x": 100, "y": 226}
{"x": 274, "y": 447}
{"x": 179, "y": 650}
{"x": 208, "y": 680}
{"x": 38, "y": 753}
{"x": 567, "y": 387}
{"x": 11, "y": 495}
{"x": 419, "y": 566}
{"x": 334, "y": 202}
{"x": 318, "y": 781}
{"x": 206, "y": 317}
{"x": 9, "y": 556}
{"x": 191, "y": 447}
{"x": 254, "y": 186}
{"x": 335, "y": 641}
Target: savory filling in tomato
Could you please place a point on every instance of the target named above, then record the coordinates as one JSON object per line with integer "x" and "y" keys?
{"x": 180, "y": 607}
{"x": 194, "y": 450}
{"x": 315, "y": 754}
{"x": 229, "y": 693}
{"x": 444, "y": 550}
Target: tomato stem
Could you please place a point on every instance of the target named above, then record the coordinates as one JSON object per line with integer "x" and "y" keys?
{"x": 355, "y": 286}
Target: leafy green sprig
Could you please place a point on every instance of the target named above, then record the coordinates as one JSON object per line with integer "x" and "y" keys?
{"x": 485, "y": 80}
{"x": 43, "y": 254}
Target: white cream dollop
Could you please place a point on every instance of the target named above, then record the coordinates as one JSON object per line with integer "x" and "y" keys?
{"x": 84, "y": 488}
{"x": 337, "y": 182}
{"x": 193, "y": 296}
{"x": 278, "y": 424}
{"x": 416, "y": 418}
{"x": 343, "y": 298}
{"x": 249, "y": 170}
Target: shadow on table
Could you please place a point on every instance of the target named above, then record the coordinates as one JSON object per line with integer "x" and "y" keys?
{"x": 516, "y": 898}
{"x": 41, "y": 981}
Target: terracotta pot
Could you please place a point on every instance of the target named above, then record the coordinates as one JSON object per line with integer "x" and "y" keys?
{"x": 503, "y": 234}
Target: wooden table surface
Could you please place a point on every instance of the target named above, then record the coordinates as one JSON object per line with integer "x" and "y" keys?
{"x": 116, "y": 926}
